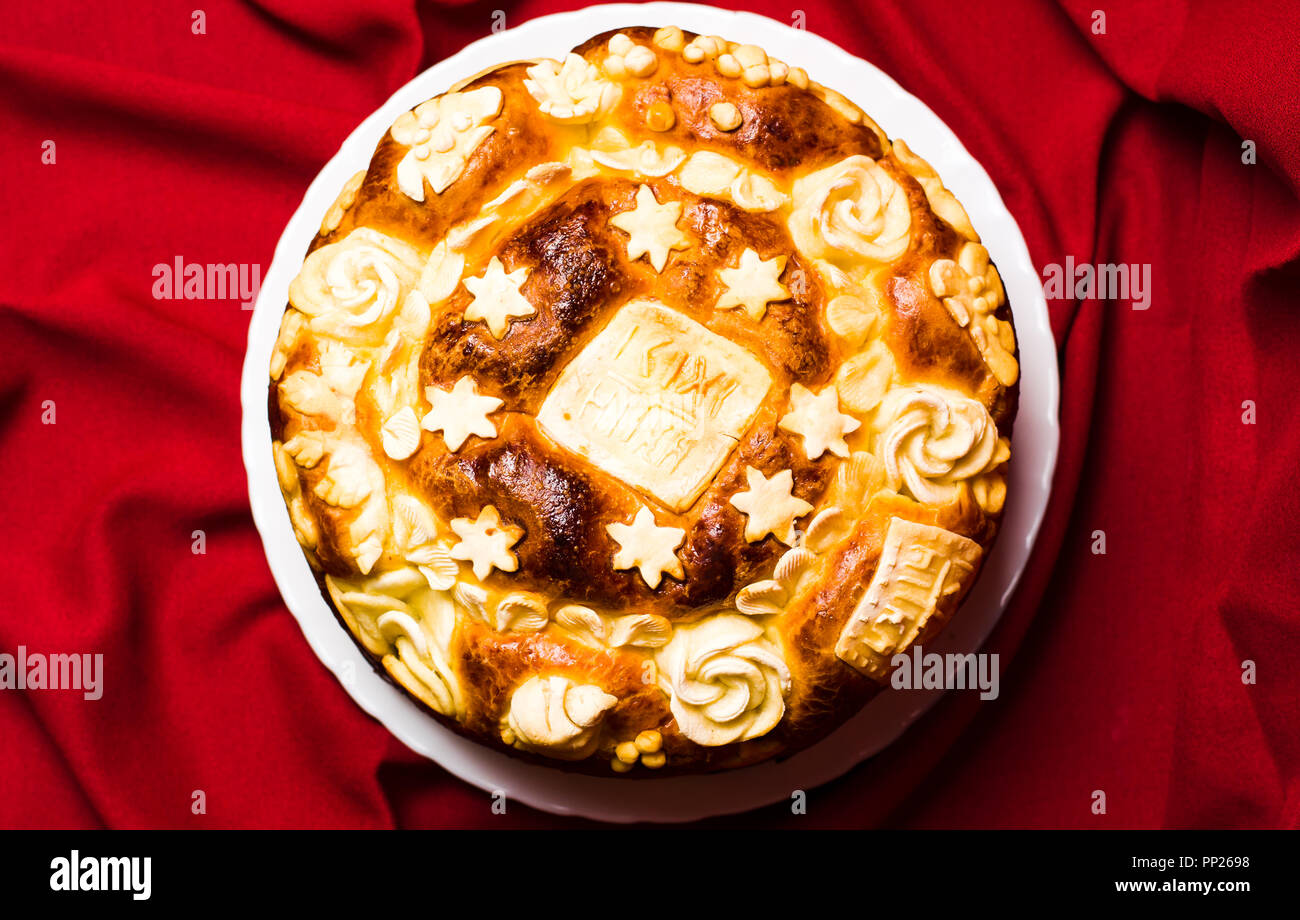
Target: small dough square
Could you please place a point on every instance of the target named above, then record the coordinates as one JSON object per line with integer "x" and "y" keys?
{"x": 656, "y": 400}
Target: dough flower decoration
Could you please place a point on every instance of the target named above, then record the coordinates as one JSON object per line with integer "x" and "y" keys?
{"x": 496, "y": 297}
{"x": 442, "y": 134}
{"x": 351, "y": 289}
{"x": 573, "y": 92}
{"x": 816, "y": 418}
{"x": 725, "y": 679}
{"x": 485, "y": 542}
{"x": 460, "y": 412}
{"x": 645, "y": 546}
{"x": 853, "y": 209}
{"x": 932, "y": 440}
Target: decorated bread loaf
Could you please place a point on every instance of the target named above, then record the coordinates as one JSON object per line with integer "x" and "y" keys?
{"x": 635, "y": 409}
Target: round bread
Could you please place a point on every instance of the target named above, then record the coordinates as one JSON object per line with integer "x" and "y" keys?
{"x": 634, "y": 410}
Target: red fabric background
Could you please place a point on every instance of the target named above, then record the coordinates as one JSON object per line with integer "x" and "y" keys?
{"x": 1122, "y": 147}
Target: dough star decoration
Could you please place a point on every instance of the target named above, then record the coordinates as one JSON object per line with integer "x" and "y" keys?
{"x": 496, "y": 297}
{"x": 648, "y": 548}
{"x": 652, "y": 228}
{"x": 460, "y": 412}
{"x": 752, "y": 284}
{"x": 769, "y": 506}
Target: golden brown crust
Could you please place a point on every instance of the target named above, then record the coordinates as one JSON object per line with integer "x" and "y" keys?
{"x": 580, "y": 272}
{"x": 783, "y": 130}
{"x": 494, "y": 564}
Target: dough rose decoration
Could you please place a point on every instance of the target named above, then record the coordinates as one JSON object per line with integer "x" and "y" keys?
{"x": 634, "y": 409}
{"x": 352, "y": 288}
{"x": 725, "y": 679}
{"x": 852, "y": 209}
{"x": 556, "y": 717}
{"x": 932, "y": 441}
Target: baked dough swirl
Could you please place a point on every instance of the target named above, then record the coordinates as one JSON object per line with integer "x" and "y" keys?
{"x": 933, "y": 440}
{"x": 726, "y": 679}
{"x": 351, "y": 288}
{"x": 854, "y": 208}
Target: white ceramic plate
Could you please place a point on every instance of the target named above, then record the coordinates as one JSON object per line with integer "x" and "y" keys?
{"x": 887, "y": 716}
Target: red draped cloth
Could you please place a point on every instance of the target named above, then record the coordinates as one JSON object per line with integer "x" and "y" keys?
{"x": 1122, "y": 672}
